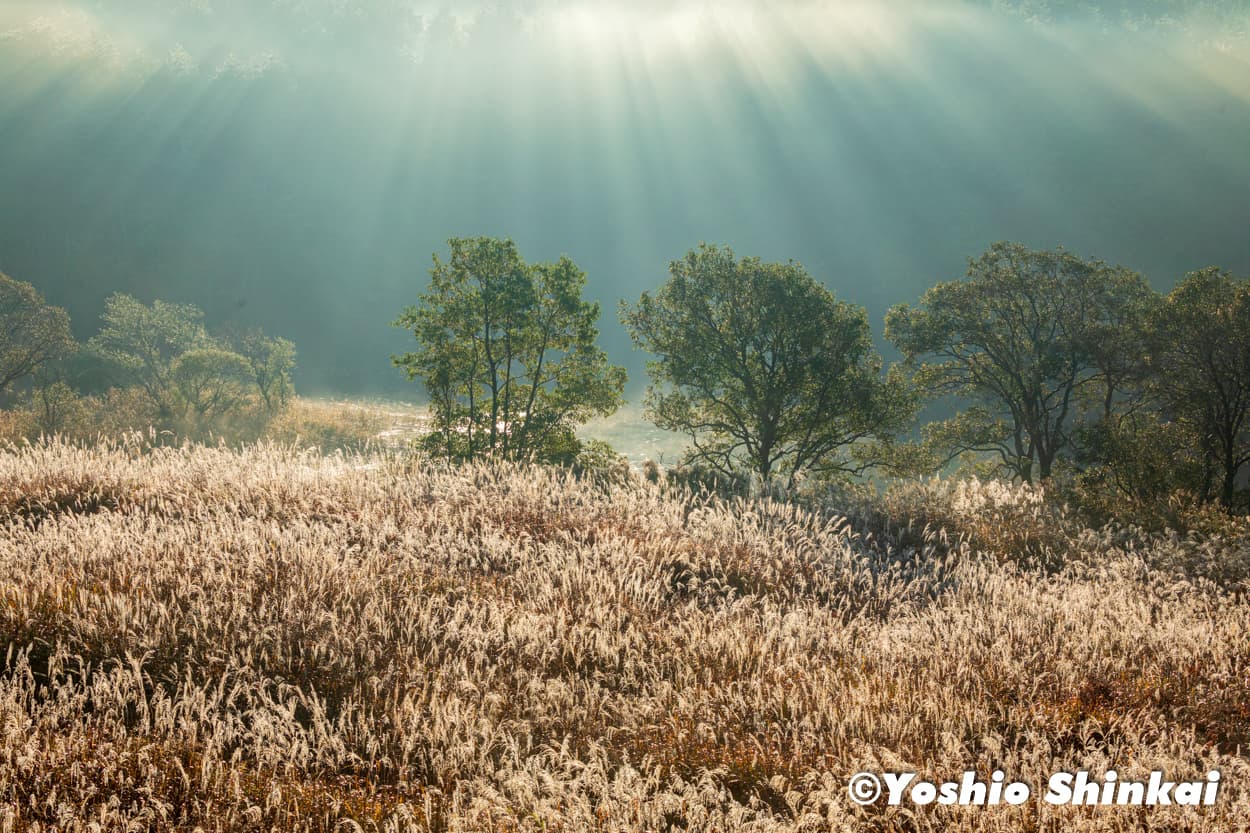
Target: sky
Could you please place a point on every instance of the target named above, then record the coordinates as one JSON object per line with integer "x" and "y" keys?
{"x": 295, "y": 163}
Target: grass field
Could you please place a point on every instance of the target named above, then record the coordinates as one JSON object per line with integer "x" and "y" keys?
{"x": 279, "y": 640}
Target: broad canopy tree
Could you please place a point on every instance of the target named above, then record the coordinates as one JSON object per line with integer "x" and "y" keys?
{"x": 1037, "y": 340}
{"x": 507, "y": 351}
{"x": 762, "y": 367}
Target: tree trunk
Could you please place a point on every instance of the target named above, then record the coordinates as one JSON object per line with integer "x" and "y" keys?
{"x": 1044, "y": 464}
{"x": 1230, "y": 484}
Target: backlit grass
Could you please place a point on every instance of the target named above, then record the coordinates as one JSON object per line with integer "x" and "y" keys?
{"x": 275, "y": 639}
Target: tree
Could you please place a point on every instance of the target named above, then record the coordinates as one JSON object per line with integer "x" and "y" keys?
{"x": 1201, "y": 371}
{"x": 762, "y": 367}
{"x": 1035, "y": 338}
{"x": 507, "y": 353}
{"x": 211, "y": 381}
{"x": 1117, "y": 339}
{"x": 270, "y": 362}
{"x": 143, "y": 342}
{"x": 1143, "y": 460}
{"x": 32, "y": 332}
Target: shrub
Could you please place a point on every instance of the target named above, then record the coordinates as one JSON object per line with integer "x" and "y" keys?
{"x": 600, "y": 461}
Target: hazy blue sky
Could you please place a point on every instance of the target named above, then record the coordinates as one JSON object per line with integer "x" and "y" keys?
{"x": 295, "y": 163}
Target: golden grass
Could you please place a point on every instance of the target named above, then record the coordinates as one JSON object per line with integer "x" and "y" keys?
{"x": 273, "y": 639}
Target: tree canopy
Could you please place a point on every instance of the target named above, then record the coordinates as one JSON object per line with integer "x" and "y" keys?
{"x": 270, "y": 362}
{"x": 762, "y": 367}
{"x": 32, "y": 332}
{"x": 143, "y": 342}
{"x": 507, "y": 351}
{"x": 1201, "y": 371}
{"x": 165, "y": 350}
{"x": 211, "y": 381}
{"x": 1036, "y": 340}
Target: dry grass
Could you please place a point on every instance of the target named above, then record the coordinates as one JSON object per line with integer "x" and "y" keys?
{"x": 330, "y": 425}
{"x": 316, "y": 423}
{"x": 280, "y": 640}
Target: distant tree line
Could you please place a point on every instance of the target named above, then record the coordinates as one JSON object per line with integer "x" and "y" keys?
{"x": 1055, "y": 367}
{"x": 156, "y": 363}
{"x": 1076, "y": 365}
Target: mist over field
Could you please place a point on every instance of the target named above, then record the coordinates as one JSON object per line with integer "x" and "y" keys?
{"x": 295, "y": 164}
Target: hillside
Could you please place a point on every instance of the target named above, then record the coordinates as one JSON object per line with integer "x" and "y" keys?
{"x": 271, "y": 639}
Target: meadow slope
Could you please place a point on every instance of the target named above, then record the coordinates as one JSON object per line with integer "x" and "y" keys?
{"x": 282, "y": 640}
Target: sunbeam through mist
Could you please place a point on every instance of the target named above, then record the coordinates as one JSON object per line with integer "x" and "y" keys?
{"x": 297, "y": 163}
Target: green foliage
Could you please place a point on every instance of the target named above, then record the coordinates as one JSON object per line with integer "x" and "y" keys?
{"x": 1138, "y": 470}
{"x": 1038, "y": 340}
{"x": 142, "y": 343}
{"x": 507, "y": 353}
{"x": 762, "y": 367}
{"x": 57, "y": 409}
{"x": 1201, "y": 373}
{"x": 192, "y": 381}
{"x": 32, "y": 333}
{"x": 156, "y": 367}
{"x": 1117, "y": 337}
{"x": 211, "y": 381}
{"x": 270, "y": 362}
{"x": 599, "y": 460}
